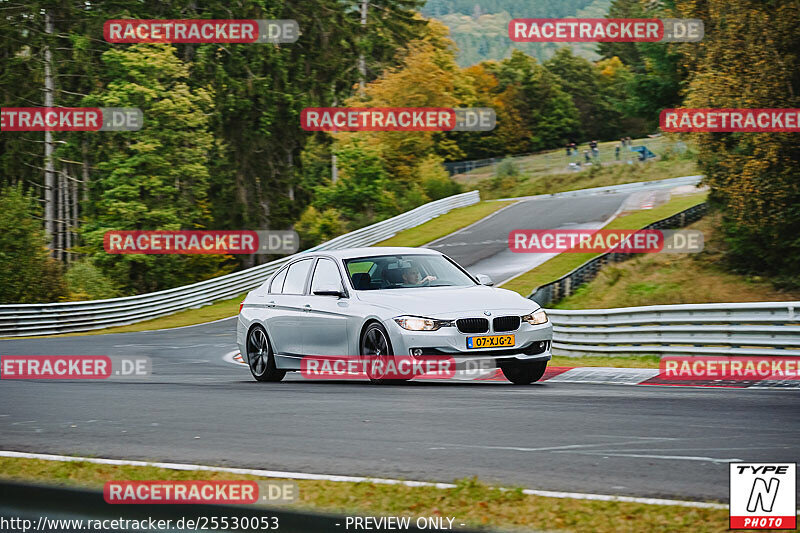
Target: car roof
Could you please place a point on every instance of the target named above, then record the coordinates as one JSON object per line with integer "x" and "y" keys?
{"x": 352, "y": 253}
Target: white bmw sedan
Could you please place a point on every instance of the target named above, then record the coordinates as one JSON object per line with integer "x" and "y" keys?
{"x": 380, "y": 302}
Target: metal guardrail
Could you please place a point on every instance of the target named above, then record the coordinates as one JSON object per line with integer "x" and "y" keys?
{"x": 668, "y": 183}
{"x": 568, "y": 283}
{"x": 18, "y": 320}
{"x": 754, "y": 329}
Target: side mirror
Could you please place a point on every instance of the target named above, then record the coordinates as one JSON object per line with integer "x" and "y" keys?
{"x": 331, "y": 290}
{"x": 483, "y": 279}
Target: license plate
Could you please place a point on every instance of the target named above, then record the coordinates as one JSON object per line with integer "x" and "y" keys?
{"x": 492, "y": 341}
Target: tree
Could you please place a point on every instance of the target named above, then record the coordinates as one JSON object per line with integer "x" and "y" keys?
{"x": 425, "y": 77}
{"x": 27, "y": 273}
{"x": 361, "y": 193}
{"x": 549, "y": 113}
{"x": 750, "y": 58}
{"x": 582, "y": 81}
{"x": 657, "y": 71}
{"x": 156, "y": 178}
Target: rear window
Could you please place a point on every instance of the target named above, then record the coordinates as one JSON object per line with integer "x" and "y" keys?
{"x": 276, "y": 287}
{"x": 296, "y": 276}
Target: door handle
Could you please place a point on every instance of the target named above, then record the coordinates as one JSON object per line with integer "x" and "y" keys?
{"x": 271, "y": 303}
{"x": 307, "y": 307}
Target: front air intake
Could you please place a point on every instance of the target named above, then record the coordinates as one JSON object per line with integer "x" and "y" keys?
{"x": 472, "y": 325}
{"x": 506, "y": 323}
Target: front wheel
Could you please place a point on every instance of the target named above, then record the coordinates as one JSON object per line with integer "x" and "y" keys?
{"x": 260, "y": 357}
{"x": 524, "y": 373}
{"x": 377, "y": 350}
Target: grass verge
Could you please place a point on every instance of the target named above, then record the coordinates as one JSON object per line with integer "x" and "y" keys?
{"x": 471, "y": 502}
{"x": 444, "y": 224}
{"x": 566, "y": 262}
{"x": 663, "y": 279}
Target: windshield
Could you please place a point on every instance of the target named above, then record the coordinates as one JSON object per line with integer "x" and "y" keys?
{"x": 405, "y": 272}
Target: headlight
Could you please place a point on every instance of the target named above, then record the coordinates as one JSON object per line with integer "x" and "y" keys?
{"x": 415, "y": 323}
{"x": 536, "y": 318}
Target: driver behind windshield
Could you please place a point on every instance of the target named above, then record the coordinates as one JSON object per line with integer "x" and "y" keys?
{"x": 412, "y": 276}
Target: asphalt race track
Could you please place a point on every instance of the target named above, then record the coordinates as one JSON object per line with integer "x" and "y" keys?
{"x": 655, "y": 441}
{"x": 483, "y": 247}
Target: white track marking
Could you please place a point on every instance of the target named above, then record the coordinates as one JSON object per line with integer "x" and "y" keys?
{"x": 667, "y": 457}
{"x": 352, "y": 479}
{"x": 548, "y": 448}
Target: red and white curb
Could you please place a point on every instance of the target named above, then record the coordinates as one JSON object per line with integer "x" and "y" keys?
{"x": 612, "y": 376}
{"x": 645, "y": 376}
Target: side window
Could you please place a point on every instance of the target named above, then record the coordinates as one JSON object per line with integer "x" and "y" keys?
{"x": 326, "y": 276}
{"x": 296, "y": 277}
{"x": 276, "y": 287}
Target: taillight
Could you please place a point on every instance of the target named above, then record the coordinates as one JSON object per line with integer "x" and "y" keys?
{"x": 241, "y": 304}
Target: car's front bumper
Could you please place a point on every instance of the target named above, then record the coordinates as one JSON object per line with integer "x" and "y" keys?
{"x": 532, "y": 343}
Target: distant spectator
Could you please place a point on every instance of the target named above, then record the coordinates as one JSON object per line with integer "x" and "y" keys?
{"x": 616, "y": 152}
{"x": 586, "y": 156}
{"x": 569, "y": 150}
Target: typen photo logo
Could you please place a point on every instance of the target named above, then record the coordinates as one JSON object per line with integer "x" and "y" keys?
{"x": 763, "y": 495}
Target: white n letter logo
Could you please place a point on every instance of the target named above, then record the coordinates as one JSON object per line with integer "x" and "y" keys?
{"x": 763, "y": 494}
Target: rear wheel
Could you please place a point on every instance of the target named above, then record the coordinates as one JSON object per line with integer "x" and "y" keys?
{"x": 377, "y": 349}
{"x": 260, "y": 357}
{"x": 524, "y": 373}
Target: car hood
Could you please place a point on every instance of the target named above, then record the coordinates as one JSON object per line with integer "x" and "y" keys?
{"x": 448, "y": 302}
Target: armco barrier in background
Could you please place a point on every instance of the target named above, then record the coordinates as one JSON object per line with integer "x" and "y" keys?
{"x": 753, "y": 329}
{"x": 18, "y": 320}
{"x": 568, "y": 283}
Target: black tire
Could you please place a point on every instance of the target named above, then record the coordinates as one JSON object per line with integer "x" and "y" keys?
{"x": 524, "y": 373}
{"x": 375, "y": 343}
{"x": 260, "y": 357}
